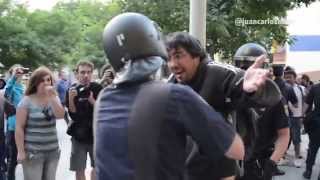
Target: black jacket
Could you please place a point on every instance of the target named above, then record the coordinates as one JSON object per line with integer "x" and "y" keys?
{"x": 221, "y": 86}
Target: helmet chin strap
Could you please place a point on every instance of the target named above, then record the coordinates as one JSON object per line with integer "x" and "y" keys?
{"x": 138, "y": 69}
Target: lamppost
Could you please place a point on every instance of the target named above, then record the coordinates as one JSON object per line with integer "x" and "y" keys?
{"x": 197, "y": 26}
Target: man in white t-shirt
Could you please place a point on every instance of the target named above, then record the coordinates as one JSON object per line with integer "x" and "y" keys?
{"x": 296, "y": 115}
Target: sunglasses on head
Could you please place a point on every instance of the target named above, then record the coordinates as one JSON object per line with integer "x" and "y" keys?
{"x": 45, "y": 111}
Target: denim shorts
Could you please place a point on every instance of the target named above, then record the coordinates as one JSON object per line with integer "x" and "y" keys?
{"x": 295, "y": 130}
{"x": 79, "y": 152}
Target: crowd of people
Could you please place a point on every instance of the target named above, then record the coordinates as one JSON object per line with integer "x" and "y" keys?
{"x": 207, "y": 120}
{"x": 30, "y": 131}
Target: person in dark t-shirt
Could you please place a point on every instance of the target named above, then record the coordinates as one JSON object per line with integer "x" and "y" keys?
{"x": 312, "y": 127}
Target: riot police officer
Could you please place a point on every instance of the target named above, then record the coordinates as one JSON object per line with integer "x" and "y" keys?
{"x": 272, "y": 126}
{"x": 141, "y": 124}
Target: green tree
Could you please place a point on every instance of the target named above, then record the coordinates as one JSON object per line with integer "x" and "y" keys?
{"x": 69, "y": 32}
{"x": 223, "y": 36}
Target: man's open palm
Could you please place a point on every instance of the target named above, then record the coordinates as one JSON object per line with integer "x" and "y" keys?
{"x": 255, "y": 76}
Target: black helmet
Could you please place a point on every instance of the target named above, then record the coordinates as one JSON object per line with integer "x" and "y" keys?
{"x": 131, "y": 36}
{"x": 247, "y": 54}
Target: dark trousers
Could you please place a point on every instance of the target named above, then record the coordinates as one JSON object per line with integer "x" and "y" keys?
{"x": 11, "y": 155}
{"x": 2, "y": 159}
{"x": 255, "y": 169}
{"x": 314, "y": 144}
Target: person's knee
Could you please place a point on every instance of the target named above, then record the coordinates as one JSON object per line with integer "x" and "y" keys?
{"x": 229, "y": 178}
{"x": 80, "y": 175}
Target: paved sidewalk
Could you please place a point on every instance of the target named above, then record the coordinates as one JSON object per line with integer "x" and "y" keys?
{"x": 293, "y": 173}
{"x": 63, "y": 172}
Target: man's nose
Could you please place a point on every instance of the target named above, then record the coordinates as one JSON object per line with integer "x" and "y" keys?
{"x": 172, "y": 64}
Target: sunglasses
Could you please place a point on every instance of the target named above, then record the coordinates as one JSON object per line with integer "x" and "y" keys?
{"x": 46, "y": 113}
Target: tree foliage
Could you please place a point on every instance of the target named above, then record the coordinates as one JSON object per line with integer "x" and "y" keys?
{"x": 72, "y": 30}
{"x": 223, "y": 35}
{"x": 69, "y": 32}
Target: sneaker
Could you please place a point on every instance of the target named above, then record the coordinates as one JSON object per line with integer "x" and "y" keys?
{"x": 307, "y": 174}
{"x": 297, "y": 163}
{"x": 278, "y": 172}
{"x": 284, "y": 162}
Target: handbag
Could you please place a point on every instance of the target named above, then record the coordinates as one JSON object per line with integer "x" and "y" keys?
{"x": 80, "y": 131}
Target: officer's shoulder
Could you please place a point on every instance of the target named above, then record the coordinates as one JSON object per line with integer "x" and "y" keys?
{"x": 183, "y": 91}
{"x": 213, "y": 65}
{"x": 316, "y": 85}
{"x": 181, "y": 87}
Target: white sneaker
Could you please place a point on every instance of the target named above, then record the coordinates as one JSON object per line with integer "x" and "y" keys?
{"x": 284, "y": 162}
{"x": 297, "y": 163}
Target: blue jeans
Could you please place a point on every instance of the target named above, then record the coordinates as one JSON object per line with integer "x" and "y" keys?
{"x": 41, "y": 166}
{"x": 2, "y": 162}
{"x": 295, "y": 130}
{"x": 11, "y": 155}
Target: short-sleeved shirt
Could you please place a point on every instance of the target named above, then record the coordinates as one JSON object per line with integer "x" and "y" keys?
{"x": 271, "y": 120}
{"x": 83, "y": 106}
{"x": 84, "y": 111}
{"x": 40, "y": 129}
{"x": 141, "y": 134}
{"x": 314, "y": 97}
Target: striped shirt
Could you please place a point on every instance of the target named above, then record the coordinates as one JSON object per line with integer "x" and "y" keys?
{"x": 40, "y": 129}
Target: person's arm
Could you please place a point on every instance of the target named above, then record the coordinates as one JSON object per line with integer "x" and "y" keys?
{"x": 255, "y": 82}
{"x": 21, "y": 119}
{"x": 214, "y": 136}
{"x": 281, "y": 144}
{"x": 250, "y": 89}
{"x": 16, "y": 73}
{"x": 309, "y": 101}
{"x": 71, "y": 94}
{"x": 281, "y": 123}
{"x": 57, "y": 108}
{"x": 91, "y": 99}
{"x": 292, "y": 97}
{"x": 94, "y": 95}
{"x": 9, "y": 87}
{"x": 236, "y": 150}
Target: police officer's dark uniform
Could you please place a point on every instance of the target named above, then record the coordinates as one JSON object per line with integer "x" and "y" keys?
{"x": 141, "y": 124}
{"x": 286, "y": 89}
{"x": 312, "y": 127}
{"x": 221, "y": 86}
{"x": 257, "y": 164}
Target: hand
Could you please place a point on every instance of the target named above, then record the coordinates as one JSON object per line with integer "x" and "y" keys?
{"x": 21, "y": 156}
{"x": 51, "y": 92}
{"x": 91, "y": 98}
{"x": 72, "y": 93}
{"x": 17, "y": 72}
{"x": 255, "y": 76}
